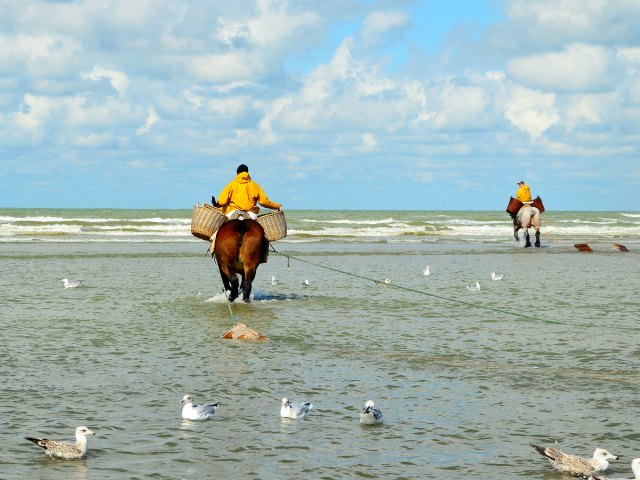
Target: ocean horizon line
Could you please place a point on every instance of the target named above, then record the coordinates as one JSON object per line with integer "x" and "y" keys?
{"x": 265, "y": 210}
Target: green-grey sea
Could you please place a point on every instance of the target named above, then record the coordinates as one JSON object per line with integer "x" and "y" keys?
{"x": 466, "y": 380}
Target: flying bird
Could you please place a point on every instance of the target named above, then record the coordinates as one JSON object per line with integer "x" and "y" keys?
{"x": 66, "y": 450}
{"x": 384, "y": 283}
{"x": 274, "y": 280}
{"x": 306, "y": 283}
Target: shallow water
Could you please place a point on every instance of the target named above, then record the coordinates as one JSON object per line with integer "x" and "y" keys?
{"x": 466, "y": 381}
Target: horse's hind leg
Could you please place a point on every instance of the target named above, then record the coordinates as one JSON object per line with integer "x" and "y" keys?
{"x": 526, "y": 237}
{"x": 247, "y": 283}
{"x": 230, "y": 282}
{"x": 537, "y": 244}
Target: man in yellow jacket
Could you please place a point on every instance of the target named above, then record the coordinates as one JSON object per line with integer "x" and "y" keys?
{"x": 524, "y": 193}
{"x": 244, "y": 194}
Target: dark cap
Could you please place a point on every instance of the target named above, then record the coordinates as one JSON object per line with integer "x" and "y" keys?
{"x": 242, "y": 168}
{"x": 521, "y": 181}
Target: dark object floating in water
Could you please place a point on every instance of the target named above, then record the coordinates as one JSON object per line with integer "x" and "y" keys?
{"x": 620, "y": 247}
{"x": 583, "y": 247}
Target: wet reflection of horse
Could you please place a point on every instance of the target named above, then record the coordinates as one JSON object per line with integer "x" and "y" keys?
{"x": 240, "y": 247}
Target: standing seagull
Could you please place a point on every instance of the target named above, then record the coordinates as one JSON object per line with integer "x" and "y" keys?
{"x": 426, "y": 271}
{"x": 495, "y": 276}
{"x": 72, "y": 284}
{"x": 474, "y": 287}
{"x": 384, "y": 283}
{"x": 294, "y": 410}
{"x": 306, "y": 283}
{"x": 191, "y": 411}
{"x": 573, "y": 464}
{"x": 371, "y": 415}
{"x": 65, "y": 449}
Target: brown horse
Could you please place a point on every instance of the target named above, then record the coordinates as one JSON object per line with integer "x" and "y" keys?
{"x": 240, "y": 247}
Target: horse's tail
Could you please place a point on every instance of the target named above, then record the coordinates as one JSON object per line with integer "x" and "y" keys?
{"x": 242, "y": 228}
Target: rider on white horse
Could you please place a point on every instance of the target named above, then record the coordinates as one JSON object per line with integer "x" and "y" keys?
{"x": 527, "y": 216}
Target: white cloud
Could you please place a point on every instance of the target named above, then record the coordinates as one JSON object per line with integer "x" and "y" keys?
{"x": 459, "y": 107}
{"x": 118, "y": 80}
{"x": 44, "y": 54}
{"x": 531, "y": 111}
{"x": 369, "y": 142}
{"x": 579, "y": 68}
{"x": 378, "y": 23}
{"x": 152, "y": 119}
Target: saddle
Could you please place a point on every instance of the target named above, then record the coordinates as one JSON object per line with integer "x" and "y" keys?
{"x": 239, "y": 214}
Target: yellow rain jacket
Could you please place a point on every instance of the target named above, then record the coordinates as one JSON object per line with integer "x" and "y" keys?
{"x": 243, "y": 194}
{"x": 524, "y": 194}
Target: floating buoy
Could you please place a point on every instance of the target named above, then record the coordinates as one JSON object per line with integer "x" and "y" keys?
{"x": 620, "y": 247}
{"x": 583, "y": 247}
{"x": 241, "y": 332}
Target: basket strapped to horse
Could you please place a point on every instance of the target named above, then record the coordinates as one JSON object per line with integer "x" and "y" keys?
{"x": 206, "y": 220}
{"x": 537, "y": 202}
{"x": 274, "y": 225}
{"x": 514, "y": 206}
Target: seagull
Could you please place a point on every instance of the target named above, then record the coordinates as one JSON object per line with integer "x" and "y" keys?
{"x": 191, "y": 411}
{"x": 294, "y": 410}
{"x": 274, "y": 280}
{"x": 71, "y": 284}
{"x": 474, "y": 287}
{"x": 576, "y": 465}
{"x": 426, "y": 271}
{"x": 635, "y": 467}
{"x": 384, "y": 283}
{"x": 371, "y": 415}
{"x": 66, "y": 450}
{"x": 306, "y": 283}
{"x": 495, "y": 276}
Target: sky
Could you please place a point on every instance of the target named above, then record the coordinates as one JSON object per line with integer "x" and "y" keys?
{"x": 333, "y": 104}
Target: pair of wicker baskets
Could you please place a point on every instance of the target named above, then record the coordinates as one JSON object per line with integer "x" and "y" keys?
{"x": 206, "y": 220}
{"x": 514, "y": 205}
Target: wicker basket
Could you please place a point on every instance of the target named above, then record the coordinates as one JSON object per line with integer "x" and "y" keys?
{"x": 274, "y": 224}
{"x": 514, "y": 206}
{"x": 205, "y": 221}
{"x": 537, "y": 202}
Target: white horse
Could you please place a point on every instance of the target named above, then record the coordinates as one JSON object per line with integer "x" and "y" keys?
{"x": 527, "y": 217}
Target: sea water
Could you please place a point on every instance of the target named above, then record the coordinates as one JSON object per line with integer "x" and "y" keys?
{"x": 465, "y": 380}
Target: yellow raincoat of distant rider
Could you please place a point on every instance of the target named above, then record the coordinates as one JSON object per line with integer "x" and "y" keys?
{"x": 524, "y": 193}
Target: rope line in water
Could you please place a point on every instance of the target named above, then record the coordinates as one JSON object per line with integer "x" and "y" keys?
{"x": 462, "y": 302}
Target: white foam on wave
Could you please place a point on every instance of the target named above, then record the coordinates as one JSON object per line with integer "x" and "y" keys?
{"x": 352, "y": 221}
{"x": 382, "y": 231}
{"x": 218, "y": 298}
{"x": 117, "y": 230}
{"x": 53, "y": 229}
{"x": 46, "y": 219}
